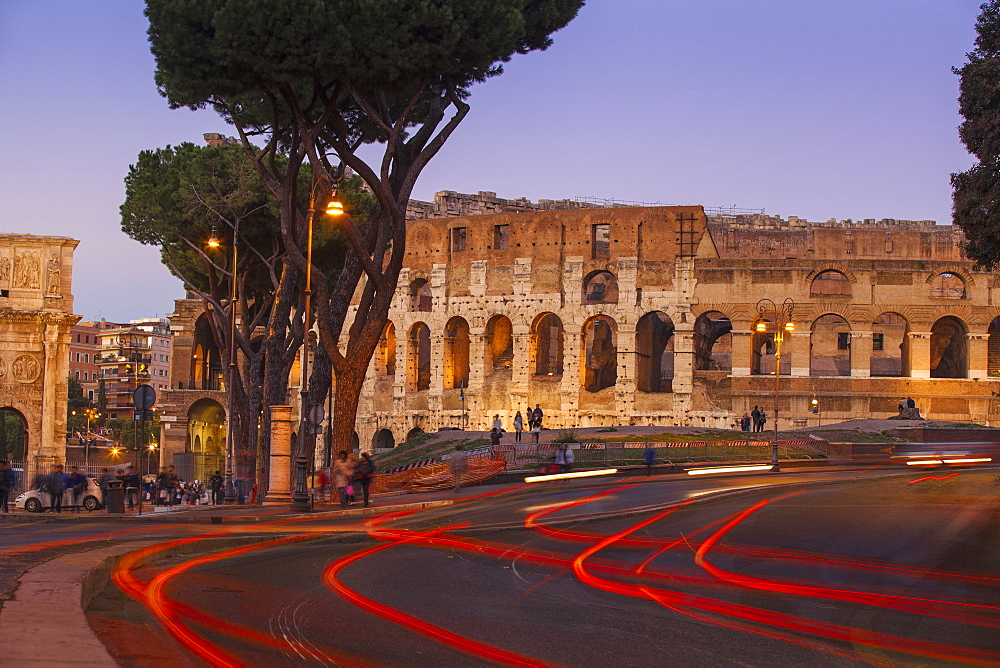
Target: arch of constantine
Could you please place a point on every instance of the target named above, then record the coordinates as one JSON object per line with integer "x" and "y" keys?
{"x": 647, "y": 316}
{"x": 36, "y": 314}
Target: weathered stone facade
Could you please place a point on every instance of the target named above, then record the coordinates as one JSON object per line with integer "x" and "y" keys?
{"x": 646, "y": 316}
{"x": 36, "y": 316}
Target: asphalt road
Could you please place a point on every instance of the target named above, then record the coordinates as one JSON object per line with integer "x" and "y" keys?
{"x": 898, "y": 571}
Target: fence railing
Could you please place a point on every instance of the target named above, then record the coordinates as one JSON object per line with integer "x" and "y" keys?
{"x": 529, "y": 457}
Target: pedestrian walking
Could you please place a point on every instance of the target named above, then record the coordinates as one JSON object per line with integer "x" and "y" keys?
{"x": 6, "y": 482}
{"x": 174, "y": 483}
{"x": 495, "y": 436}
{"x": 649, "y": 457}
{"x": 497, "y": 424}
{"x": 52, "y": 485}
{"x": 536, "y": 431}
{"x": 105, "y": 484}
{"x": 343, "y": 472}
{"x": 518, "y": 426}
{"x": 755, "y": 417}
{"x": 537, "y": 415}
{"x": 458, "y": 463}
{"x": 366, "y": 469}
{"x": 322, "y": 485}
{"x": 564, "y": 458}
{"x": 132, "y": 483}
{"x": 745, "y": 422}
{"x": 215, "y": 483}
{"x": 77, "y": 482}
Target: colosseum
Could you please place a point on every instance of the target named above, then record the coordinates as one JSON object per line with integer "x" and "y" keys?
{"x": 636, "y": 315}
{"x": 647, "y": 315}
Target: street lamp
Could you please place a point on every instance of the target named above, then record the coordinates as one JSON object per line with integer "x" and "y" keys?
{"x": 214, "y": 242}
{"x": 300, "y": 496}
{"x": 777, "y": 321}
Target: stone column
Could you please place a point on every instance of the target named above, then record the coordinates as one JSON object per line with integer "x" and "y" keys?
{"x": 572, "y": 280}
{"x": 399, "y": 378}
{"x": 280, "y": 481}
{"x": 861, "y": 354}
{"x": 51, "y": 401}
{"x": 978, "y": 353}
{"x": 742, "y": 339}
{"x": 683, "y": 383}
{"x": 626, "y": 373}
{"x": 520, "y": 374}
{"x": 920, "y": 354}
{"x": 436, "y": 388}
{"x": 475, "y": 408}
{"x": 572, "y": 378}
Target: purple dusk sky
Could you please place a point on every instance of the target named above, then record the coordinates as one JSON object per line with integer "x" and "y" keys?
{"x": 812, "y": 108}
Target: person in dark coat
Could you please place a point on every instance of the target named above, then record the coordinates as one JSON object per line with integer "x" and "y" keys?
{"x": 52, "y": 484}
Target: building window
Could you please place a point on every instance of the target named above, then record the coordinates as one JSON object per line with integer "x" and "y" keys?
{"x": 86, "y": 375}
{"x": 501, "y": 237}
{"x": 90, "y": 395}
{"x": 457, "y": 239}
{"x": 843, "y": 340}
{"x": 86, "y": 358}
{"x": 601, "y": 242}
{"x": 878, "y": 341}
{"x": 78, "y": 375}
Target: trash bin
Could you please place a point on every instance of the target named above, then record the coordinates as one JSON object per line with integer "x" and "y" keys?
{"x": 115, "y": 499}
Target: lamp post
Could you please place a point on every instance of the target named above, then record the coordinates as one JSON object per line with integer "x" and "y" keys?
{"x": 776, "y": 320}
{"x": 300, "y": 495}
{"x": 213, "y": 242}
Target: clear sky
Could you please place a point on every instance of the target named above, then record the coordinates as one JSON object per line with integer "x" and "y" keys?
{"x": 812, "y": 108}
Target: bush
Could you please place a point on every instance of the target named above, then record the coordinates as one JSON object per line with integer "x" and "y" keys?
{"x": 566, "y": 436}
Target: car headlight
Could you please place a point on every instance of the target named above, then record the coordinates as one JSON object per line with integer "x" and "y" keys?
{"x": 19, "y": 497}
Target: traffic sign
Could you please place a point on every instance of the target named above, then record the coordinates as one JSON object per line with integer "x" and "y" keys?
{"x": 143, "y": 398}
{"x": 316, "y": 415}
{"x": 143, "y": 415}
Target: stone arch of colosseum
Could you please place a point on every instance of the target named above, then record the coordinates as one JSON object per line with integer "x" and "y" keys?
{"x": 36, "y": 315}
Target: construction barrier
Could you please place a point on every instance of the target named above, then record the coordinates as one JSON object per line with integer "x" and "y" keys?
{"x": 437, "y": 476}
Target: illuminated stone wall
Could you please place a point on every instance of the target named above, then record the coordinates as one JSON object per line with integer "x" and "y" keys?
{"x": 36, "y": 316}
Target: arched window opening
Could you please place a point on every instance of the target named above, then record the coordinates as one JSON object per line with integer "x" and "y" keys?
{"x": 947, "y": 285}
{"x": 830, "y": 283}
{"x": 547, "y": 340}
{"x": 383, "y": 440}
{"x": 713, "y": 342}
{"x": 600, "y": 351}
{"x": 830, "y": 346}
{"x": 654, "y": 353}
{"x": 600, "y": 287}
{"x": 499, "y": 343}
{"x": 889, "y": 346}
{"x": 420, "y": 295}
{"x": 763, "y": 352}
{"x": 206, "y": 364}
{"x": 456, "y": 353}
{"x": 418, "y": 358}
{"x": 949, "y": 349}
{"x": 386, "y": 356}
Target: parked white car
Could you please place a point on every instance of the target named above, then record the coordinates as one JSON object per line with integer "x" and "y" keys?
{"x": 35, "y": 501}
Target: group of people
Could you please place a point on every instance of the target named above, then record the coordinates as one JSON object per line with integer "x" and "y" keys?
{"x": 534, "y": 424}
{"x": 351, "y": 475}
{"x": 754, "y": 421}
{"x": 57, "y": 482}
